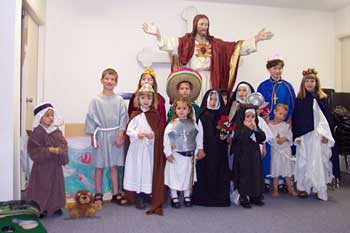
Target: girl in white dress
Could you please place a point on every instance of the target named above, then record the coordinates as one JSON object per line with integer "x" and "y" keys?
{"x": 281, "y": 154}
{"x": 138, "y": 172}
{"x": 312, "y": 126}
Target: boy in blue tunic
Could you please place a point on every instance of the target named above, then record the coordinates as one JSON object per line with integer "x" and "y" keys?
{"x": 276, "y": 91}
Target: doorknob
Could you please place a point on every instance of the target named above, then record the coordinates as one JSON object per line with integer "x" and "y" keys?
{"x": 29, "y": 100}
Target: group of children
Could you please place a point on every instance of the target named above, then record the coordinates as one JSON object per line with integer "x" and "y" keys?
{"x": 186, "y": 151}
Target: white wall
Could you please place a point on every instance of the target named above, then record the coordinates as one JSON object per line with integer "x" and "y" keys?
{"x": 84, "y": 37}
{"x": 10, "y": 42}
{"x": 342, "y": 21}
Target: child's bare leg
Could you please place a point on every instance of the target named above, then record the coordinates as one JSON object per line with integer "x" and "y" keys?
{"x": 98, "y": 179}
{"x": 98, "y": 199}
{"x": 290, "y": 187}
{"x": 114, "y": 178}
{"x": 275, "y": 187}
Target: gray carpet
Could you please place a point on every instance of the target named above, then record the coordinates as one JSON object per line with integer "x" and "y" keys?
{"x": 280, "y": 215}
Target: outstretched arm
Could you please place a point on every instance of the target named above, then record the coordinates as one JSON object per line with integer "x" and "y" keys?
{"x": 152, "y": 29}
{"x": 249, "y": 46}
{"x": 262, "y": 35}
{"x": 168, "y": 44}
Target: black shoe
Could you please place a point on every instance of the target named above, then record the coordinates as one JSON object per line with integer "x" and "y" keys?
{"x": 58, "y": 212}
{"x": 175, "y": 203}
{"x": 257, "y": 202}
{"x": 244, "y": 202}
{"x": 187, "y": 202}
{"x": 246, "y": 205}
{"x": 43, "y": 214}
{"x": 267, "y": 188}
{"x": 140, "y": 204}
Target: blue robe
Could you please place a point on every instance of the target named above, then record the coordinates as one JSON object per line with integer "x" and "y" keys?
{"x": 285, "y": 94}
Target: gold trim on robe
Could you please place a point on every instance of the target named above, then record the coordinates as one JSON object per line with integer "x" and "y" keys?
{"x": 233, "y": 65}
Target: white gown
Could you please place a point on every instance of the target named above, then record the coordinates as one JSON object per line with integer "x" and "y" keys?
{"x": 177, "y": 175}
{"x": 201, "y": 64}
{"x": 313, "y": 166}
{"x": 138, "y": 172}
{"x": 266, "y": 129}
{"x": 281, "y": 155}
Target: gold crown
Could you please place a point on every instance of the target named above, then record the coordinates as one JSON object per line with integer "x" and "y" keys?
{"x": 149, "y": 71}
{"x": 146, "y": 88}
{"x": 309, "y": 71}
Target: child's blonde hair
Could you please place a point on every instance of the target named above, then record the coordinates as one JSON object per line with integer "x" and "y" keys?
{"x": 184, "y": 101}
{"x": 281, "y": 106}
{"x": 110, "y": 71}
{"x": 311, "y": 74}
{"x": 146, "y": 93}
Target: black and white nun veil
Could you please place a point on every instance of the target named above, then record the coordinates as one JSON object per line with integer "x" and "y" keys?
{"x": 232, "y": 103}
{"x": 220, "y": 106}
{"x": 39, "y": 112}
{"x": 240, "y": 115}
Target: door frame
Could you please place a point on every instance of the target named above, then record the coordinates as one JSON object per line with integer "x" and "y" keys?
{"x": 338, "y": 62}
{"x": 39, "y": 85}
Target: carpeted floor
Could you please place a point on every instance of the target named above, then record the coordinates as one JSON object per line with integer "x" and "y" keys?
{"x": 280, "y": 215}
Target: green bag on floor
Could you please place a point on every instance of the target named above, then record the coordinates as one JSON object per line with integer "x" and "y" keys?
{"x": 7, "y": 224}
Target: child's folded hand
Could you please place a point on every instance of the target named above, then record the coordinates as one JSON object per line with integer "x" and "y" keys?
{"x": 170, "y": 158}
{"x": 324, "y": 140}
{"x": 54, "y": 150}
{"x": 140, "y": 135}
{"x": 149, "y": 135}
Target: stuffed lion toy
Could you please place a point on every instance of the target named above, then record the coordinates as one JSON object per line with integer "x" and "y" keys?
{"x": 83, "y": 206}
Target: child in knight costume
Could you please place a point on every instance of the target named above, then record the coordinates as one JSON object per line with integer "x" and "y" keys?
{"x": 183, "y": 140}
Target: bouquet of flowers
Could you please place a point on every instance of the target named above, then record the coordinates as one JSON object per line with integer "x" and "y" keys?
{"x": 265, "y": 113}
{"x": 225, "y": 126}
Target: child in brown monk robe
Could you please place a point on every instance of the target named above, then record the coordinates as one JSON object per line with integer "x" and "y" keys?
{"x": 48, "y": 149}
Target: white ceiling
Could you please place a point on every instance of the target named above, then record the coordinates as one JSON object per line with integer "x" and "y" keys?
{"x": 324, "y": 5}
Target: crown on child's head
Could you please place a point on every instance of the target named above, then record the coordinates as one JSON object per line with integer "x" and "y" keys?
{"x": 275, "y": 57}
{"x": 149, "y": 71}
{"x": 146, "y": 88}
{"x": 309, "y": 72}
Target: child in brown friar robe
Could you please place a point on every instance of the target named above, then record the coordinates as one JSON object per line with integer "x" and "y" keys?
{"x": 144, "y": 125}
{"x": 48, "y": 149}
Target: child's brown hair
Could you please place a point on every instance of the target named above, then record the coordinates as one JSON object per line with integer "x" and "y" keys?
{"x": 185, "y": 101}
{"x": 150, "y": 72}
{"x": 110, "y": 71}
{"x": 274, "y": 62}
{"x": 188, "y": 82}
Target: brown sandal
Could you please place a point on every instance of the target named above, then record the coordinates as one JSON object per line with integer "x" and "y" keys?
{"x": 119, "y": 199}
{"x": 98, "y": 198}
{"x": 303, "y": 194}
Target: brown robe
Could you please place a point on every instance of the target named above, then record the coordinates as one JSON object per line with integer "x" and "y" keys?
{"x": 46, "y": 183}
{"x": 222, "y": 52}
{"x": 158, "y": 187}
